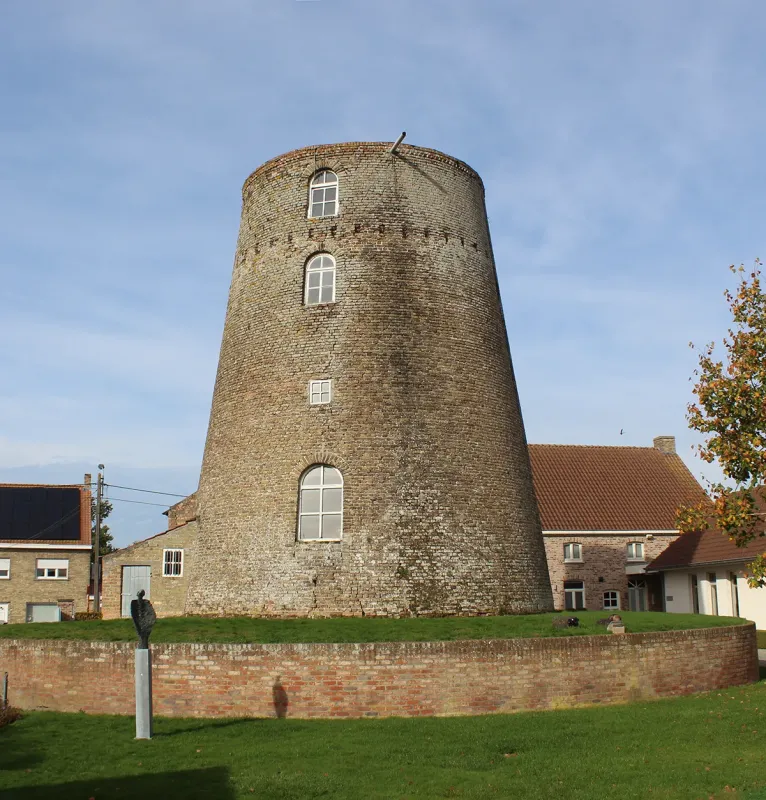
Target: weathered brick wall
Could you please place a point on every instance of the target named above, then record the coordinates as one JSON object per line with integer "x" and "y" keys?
{"x": 384, "y": 679}
{"x": 167, "y": 593}
{"x": 24, "y": 587}
{"x": 604, "y": 556}
{"x": 440, "y": 515}
{"x": 182, "y": 512}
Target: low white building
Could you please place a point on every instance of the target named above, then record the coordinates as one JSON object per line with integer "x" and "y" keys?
{"x": 704, "y": 573}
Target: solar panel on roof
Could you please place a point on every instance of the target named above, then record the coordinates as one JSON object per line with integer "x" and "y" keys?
{"x": 39, "y": 513}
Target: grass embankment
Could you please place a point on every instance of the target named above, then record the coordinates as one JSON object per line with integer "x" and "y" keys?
{"x": 357, "y": 629}
{"x": 706, "y": 746}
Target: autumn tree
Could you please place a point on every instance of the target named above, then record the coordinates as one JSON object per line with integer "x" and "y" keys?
{"x": 731, "y": 413}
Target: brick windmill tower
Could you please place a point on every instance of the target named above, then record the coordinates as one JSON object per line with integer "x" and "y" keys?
{"x": 366, "y": 452}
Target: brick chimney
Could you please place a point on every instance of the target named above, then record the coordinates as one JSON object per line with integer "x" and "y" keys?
{"x": 665, "y": 444}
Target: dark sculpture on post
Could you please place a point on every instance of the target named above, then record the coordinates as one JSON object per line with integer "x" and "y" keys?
{"x": 143, "y": 618}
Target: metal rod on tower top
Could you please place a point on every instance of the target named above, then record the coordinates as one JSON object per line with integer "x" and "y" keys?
{"x": 397, "y": 142}
{"x": 97, "y": 543}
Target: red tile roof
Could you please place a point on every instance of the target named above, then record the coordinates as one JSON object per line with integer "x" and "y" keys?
{"x": 704, "y": 547}
{"x": 593, "y": 488}
{"x": 710, "y": 547}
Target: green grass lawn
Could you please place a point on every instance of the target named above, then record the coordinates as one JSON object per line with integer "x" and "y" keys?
{"x": 761, "y": 639}
{"x": 357, "y": 629}
{"x": 694, "y": 747}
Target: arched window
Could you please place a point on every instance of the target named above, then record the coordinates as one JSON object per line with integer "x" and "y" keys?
{"x": 320, "y": 514}
{"x": 323, "y": 194}
{"x": 320, "y": 280}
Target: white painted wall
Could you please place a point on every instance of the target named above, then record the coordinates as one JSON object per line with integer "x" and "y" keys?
{"x": 752, "y": 602}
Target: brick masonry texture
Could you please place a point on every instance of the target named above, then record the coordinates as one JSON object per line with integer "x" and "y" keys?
{"x": 24, "y": 587}
{"x": 182, "y": 512}
{"x": 386, "y": 679}
{"x": 167, "y": 593}
{"x": 603, "y": 556}
{"x": 440, "y": 515}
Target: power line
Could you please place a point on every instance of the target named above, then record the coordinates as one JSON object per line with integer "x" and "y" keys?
{"x": 137, "y": 502}
{"x": 147, "y": 491}
{"x": 58, "y": 522}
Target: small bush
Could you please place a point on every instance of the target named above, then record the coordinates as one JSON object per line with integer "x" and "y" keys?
{"x": 81, "y": 615}
{"x": 8, "y": 715}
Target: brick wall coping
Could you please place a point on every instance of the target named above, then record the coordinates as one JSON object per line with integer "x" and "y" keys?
{"x": 322, "y": 152}
{"x": 541, "y": 643}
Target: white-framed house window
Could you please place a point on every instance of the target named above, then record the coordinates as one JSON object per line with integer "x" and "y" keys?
{"x": 320, "y": 392}
{"x": 635, "y": 551}
{"x": 574, "y": 595}
{"x": 172, "y": 563}
{"x": 572, "y": 551}
{"x": 320, "y": 513}
{"x": 323, "y": 194}
{"x": 611, "y": 601}
{"x": 320, "y": 280}
{"x": 52, "y": 569}
{"x": 5, "y": 568}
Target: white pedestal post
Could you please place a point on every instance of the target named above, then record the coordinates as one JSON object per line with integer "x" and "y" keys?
{"x": 143, "y": 694}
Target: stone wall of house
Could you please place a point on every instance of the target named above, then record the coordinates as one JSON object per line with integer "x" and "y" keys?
{"x": 440, "y": 515}
{"x": 182, "y": 512}
{"x": 383, "y": 679}
{"x": 167, "y": 593}
{"x": 23, "y": 587}
{"x": 603, "y": 556}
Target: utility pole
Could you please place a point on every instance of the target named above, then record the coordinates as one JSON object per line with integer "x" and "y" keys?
{"x": 97, "y": 542}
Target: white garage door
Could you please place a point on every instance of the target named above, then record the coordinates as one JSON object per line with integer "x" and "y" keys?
{"x": 43, "y": 612}
{"x": 133, "y": 580}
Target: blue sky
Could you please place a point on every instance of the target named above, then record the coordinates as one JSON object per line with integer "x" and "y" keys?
{"x": 621, "y": 145}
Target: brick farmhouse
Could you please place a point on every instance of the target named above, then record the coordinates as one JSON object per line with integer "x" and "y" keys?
{"x": 606, "y": 512}
{"x": 45, "y": 552}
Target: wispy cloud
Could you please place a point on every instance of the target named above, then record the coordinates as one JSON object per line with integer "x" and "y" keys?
{"x": 620, "y": 146}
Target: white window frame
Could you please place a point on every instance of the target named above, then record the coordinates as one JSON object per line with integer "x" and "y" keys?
{"x": 576, "y": 591}
{"x": 53, "y": 567}
{"x": 319, "y": 390}
{"x": 320, "y": 264}
{"x": 321, "y": 486}
{"x": 172, "y": 563}
{"x": 5, "y": 569}
{"x": 632, "y": 547}
{"x": 606, "y": 607}
{"x": 569, "y": 548}
{"x": 322, "y": 183}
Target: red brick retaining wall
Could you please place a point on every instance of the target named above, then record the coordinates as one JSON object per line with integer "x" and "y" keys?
{"x": 382, "y": 679}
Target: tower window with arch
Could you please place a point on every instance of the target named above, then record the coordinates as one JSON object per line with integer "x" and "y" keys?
{"x": 320, "y": 280}
{"x": 323, "y": 194}
{"x": 320, "y": 513}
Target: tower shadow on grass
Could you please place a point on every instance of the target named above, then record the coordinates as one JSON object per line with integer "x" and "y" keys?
{"x": 197, "y": 783}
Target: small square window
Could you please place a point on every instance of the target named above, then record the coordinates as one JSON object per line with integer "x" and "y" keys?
{"x": 573, "y": 551}
{"x": 635, "y": 551}
{"x": 320, "y": 392}
{"x": 172, "y": 563}
{"x": 611, "y": 601}
{"x": 5, "y": 568}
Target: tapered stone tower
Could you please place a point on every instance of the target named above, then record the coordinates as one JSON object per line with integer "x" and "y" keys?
{"x": 366, "y": 452}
